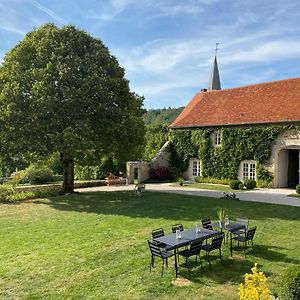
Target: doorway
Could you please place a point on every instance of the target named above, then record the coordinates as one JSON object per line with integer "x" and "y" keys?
{"x": 293, "y": 168}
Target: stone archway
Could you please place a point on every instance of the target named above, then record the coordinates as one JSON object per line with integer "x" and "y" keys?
{"x": 283, "y": 164}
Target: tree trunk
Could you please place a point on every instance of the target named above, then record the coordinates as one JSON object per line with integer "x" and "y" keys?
{"x": 68, "y": 164}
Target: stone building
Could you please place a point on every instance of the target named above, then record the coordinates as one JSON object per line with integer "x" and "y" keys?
{"x": 266, "y": 105}
{"x": 249, "y": 132}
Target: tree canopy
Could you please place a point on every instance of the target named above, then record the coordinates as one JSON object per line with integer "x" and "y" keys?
{"x": 61, "y": 90}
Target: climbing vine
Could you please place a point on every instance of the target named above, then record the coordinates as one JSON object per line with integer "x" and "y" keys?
{"x": 223, "y": 162}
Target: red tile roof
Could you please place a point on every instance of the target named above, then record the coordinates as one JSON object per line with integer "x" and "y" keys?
{"x": 271, "y": 102}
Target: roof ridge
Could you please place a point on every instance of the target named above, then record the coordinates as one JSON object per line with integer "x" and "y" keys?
{"x": 251, "y": 85}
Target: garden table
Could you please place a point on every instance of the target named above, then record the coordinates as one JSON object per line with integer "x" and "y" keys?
{"x": 232, "y": 226}
{"x": 187, "y": 236}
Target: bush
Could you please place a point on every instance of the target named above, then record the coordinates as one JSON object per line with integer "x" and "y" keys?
{"x": 234, "y": 184}
{"x": 160, "y": 173}
{"x": 255, "y": 286}
{"x": 290, "y": 284}
{"x": 250, "y": 184}
{"x": 201, "y": 179}
{"x": 5, "y": 192}
{"x": 241, "y": 186}
{"x": 298, "y": 188}
{"x": 36, "y": 174}
{"x": 180, "y": 181}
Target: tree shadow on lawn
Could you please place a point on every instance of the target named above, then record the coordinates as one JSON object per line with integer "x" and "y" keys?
{"x": 175, "y": 207}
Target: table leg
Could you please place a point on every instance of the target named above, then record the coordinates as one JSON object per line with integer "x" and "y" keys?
{"x": 175, "y": 252}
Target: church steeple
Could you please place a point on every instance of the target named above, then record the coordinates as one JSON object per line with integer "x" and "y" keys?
{"x": 214, "y": 82}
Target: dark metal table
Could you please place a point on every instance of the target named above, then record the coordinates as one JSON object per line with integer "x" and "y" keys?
{"x": 187, "y": 236}
{"x": 232, "y": 226}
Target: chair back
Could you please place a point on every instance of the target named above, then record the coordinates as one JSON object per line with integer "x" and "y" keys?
{"x": 157, "y": 233}
{"x": 216, "y": 242}
{"x": 177, "y": 227}
{"x": 206, "y": 223}
{"x": 195, "y": 246}
{"x": 250, "y": 234}
{"x": 154, "y": 248}
{"x": 244, "y": 221}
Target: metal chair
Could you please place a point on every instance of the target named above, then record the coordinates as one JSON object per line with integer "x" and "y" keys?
{"x": 243, "y": 221}
{"x": 177, "y": 227}
{"x": 216, "y": 244}
{"x": 193, "y": 249}
{"x": 248, "y": 236}
{"x": 157, "y": 233}
{"x": 206, "y": 223}
{"x": 156, "y": 251}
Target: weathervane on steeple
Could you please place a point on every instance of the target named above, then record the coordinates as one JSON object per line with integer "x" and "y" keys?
{"x": 216, "y": 50}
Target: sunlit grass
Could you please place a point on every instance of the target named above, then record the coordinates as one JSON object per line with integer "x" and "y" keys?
{"x": 93, "y": 246}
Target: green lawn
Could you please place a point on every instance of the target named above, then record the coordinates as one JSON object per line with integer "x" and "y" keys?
{"x": 213, "y": 187}
{"x": 93, "y": 246}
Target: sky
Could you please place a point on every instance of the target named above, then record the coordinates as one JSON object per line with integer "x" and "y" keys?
{"x": 167, "y": 46}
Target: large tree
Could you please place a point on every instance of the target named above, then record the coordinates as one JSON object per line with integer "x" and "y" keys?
{"x": 62, "y": 90}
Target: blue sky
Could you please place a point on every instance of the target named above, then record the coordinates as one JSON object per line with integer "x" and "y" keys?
{"x": 167, "y": 46}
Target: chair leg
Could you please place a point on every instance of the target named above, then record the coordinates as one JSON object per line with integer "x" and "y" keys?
{"x": 245, "y": 247}
{"x": 220, "y": 253}
{"x": 166, "y": 262}
{"x": 162, "y": 268}
{"x": 200, "y": 262}
{"x": 230, "y": 247}
{"x": 209, "y": 261}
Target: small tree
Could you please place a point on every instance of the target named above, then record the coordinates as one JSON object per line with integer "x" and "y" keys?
{"x": 61, "y": 90}
{"x": 255, "y": 286}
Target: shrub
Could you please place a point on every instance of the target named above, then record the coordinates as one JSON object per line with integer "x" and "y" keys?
{"x": 201, "y": 179}
{"x": 290, "y": 284}
{"x": 298, "y": 188}
{"x": 241, "y": 186}
{"x": 250, "y": 184}
{"x": 255, "y": 286}
{"x": 160, "y": 173}
{"x": 234, "y": 184}
{"x": 180, "y": 181}
{"x": 5, "y": 192}
{"x": 36, "y": 174}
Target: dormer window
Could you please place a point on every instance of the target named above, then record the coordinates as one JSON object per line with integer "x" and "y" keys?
{"x": 216, "y": 138}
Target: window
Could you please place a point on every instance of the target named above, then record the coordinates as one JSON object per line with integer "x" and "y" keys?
{"x": 217, "y": 138}
{"x": 249, "y": 171}
{"x": 196, "y": 168}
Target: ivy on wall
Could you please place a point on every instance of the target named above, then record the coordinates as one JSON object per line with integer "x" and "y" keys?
{"x": 223, "y": 161}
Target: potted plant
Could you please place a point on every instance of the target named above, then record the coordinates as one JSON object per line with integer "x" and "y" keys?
{"x": 221, "y": 215}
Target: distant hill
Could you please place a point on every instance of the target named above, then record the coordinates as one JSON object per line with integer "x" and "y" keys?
{"x": 160, "y": 116}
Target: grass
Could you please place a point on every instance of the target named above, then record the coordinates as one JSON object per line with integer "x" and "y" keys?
{"x": 212, "y": 187}
{"x": 93, "y": 246}
{"x": 294, "y": 195}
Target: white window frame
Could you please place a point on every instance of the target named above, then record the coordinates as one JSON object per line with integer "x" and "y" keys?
{"x": 248, "y": 170}
{"x": 196, "y": 168}
{"x": 216, "y": 138}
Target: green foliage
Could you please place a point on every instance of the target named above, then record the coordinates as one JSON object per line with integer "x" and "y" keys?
{"x": 223, "y": 162}
{"x": 235, "y": 184}
{"x": 298, "y": 188}
{"x": 100, "y": 171}
{"x": 9, "y": 194}
{"x": 250, "y": 184}
{"x": 62, "y": 91}
{"x": 180, "y": 181}
{"x": 241, "y": 186}
{"x": 201, "y": 179}
{"x": 161, "y": 116}
{"x": 37, "y": 174}
{"x": 156, "y": 136}
{"x": 221, "y": 214}
{"x": 291, "y": 284}
{"x": 6, "y": 191}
